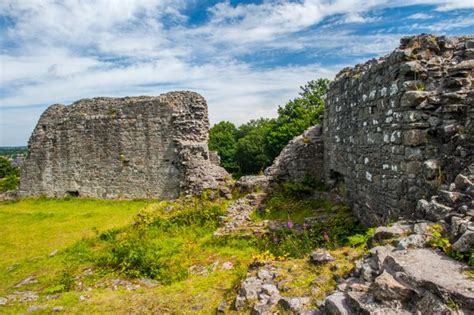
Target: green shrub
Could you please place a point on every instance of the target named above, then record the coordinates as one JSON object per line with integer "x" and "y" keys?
{"x": 331, "y": 232}
{"x": 361, "y": 239}
{"x": 304, "y": 188}
{"x": 159, "y": 244}
{"x": 10, "y": 182}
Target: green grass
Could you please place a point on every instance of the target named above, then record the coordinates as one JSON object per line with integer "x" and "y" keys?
{"x": 118, "y": 240}
{"x": 284, "y": 207}
{"x": 32, "y": 228}
{"x": 132, "y": 240}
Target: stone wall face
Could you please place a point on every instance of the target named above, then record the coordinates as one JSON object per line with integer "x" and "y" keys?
{"x": 397, "y": 128}
{"x": 134, "y": 147}
{"x": 303, "y": 156}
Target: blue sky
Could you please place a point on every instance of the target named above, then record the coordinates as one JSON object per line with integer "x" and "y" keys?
{"x": 244, "y": 57}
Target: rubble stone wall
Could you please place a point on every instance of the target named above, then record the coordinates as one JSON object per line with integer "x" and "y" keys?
{"x": 134, "y": 147}
{"x": 397, "y": 128}
{"x": 303, "y": 156}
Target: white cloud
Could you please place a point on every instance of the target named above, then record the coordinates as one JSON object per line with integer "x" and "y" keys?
{"x": 420, "y": 16}
{"x": 60, "y": 51}
{"x": 455, "y": 5}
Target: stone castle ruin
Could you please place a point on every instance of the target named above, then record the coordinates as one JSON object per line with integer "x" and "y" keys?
{"x": 133, "y": 147}
{"x": 395, "y": 130}
{"x": 396, "y": 142}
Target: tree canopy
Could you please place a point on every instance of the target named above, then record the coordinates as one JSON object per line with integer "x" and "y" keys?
{"x": 253, "y": 146}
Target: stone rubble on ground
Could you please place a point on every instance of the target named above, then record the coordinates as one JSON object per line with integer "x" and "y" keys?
{"x": 237, "y": 216}
{"x": 321, "y": 256}
{"x": 261, "y": 292}
{"x": 409, "y": 278}
{"x": 26, "y": 281}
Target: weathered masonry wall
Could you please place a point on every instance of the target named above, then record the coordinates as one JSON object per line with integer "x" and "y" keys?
{"x": 134, "y": 147}
{"x": 397, "y": 128}
{"x": 303, "y": 156}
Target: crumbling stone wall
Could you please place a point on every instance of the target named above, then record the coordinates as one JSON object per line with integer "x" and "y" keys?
{"x": 397, "y": 128}
{"x": 133, "y": 147}
{"x": 303, "y": 156}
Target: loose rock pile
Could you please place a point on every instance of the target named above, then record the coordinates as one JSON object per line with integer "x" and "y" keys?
{"x": 404, "y": 278}
{"x": 453, "y": 207}
{"x": 263, "y": 293}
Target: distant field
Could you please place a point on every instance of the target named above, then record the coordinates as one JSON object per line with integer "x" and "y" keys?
{"x": 12, "y": 152}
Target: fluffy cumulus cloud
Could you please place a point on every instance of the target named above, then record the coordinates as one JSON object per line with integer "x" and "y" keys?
{"x": 246, "y": 58}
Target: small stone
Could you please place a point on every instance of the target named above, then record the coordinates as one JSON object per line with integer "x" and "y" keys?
{"x": 197, "y": 307}
{"x": 465, "y": 243}
{"x": 83, "y": 298}
{"x": 251, "y": 287}
{"x": 3, "y": 301}
{"x": 388, "y": 232}
{"x": 386, "y": 288}
{"x": 264, "y": 275}
{"x": 431, "y": 169}
{"x": 227, "y": 265}
{"x": 421, "y": 228}
{"x": 295, "y": 304}
{"x": 270, "y": 289}
{"x": 412, "y": 241}
{"x": 379, "y": 253}
{"x": 28, "y": 280}
{"x": 321, "y": 257}
{"x": 462, "y": 182}
{"x": 221, "y": 308}
{"x": 58, "y": 308}
{"x": 53, "y": 253}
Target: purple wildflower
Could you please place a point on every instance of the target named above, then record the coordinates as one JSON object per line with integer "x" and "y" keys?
{"x": 290, "y": 224}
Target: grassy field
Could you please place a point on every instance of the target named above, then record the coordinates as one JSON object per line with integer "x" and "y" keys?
{"x": 33, "y": 229}
{"x": 36, "y": 227}
{"x": 60, "y": 241}
{"x": 92, "y": 256}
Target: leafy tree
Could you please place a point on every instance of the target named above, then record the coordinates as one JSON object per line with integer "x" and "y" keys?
{"x": 297, "y": 115}
{"x": 250, "y": 154}
{"x": 223, "y": 139}
{"x": 6, "y": 168}
{"x": 9, "y": 182}
{"x": 9, "y": 175}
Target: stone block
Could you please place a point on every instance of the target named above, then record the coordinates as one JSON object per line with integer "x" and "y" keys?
{"x": 414, "y": 137}
{"x": 413, "y": 98}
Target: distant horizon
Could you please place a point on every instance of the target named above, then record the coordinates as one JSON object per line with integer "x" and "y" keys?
{"x": 245, "y": 57}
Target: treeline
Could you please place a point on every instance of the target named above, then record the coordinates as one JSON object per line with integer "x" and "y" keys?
{"x": 251, "y": 147}
{"x": 13, "y": 152}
